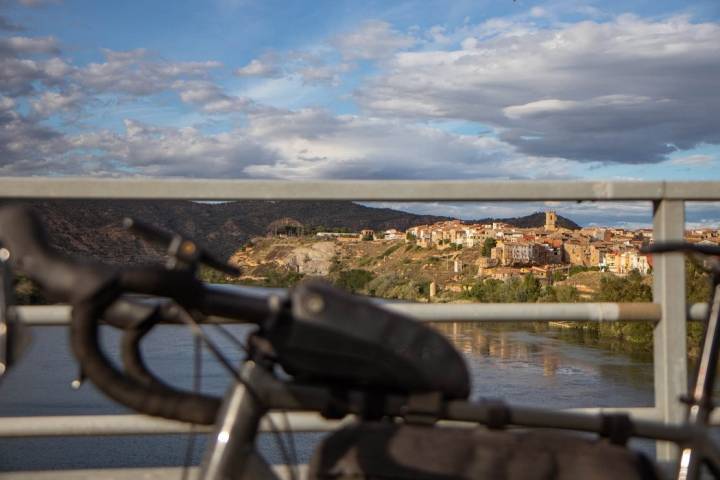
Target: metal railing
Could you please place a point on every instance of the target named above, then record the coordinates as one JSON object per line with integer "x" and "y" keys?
{"x": 669, "y": 309}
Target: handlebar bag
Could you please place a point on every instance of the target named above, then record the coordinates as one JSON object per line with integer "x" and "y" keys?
{"x": 385, "y": 451}
{"x": 348, "y": 341}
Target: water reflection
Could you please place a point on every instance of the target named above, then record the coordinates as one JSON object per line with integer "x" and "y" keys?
{"x": 474, "y": 340}
{"x": 534, "y": 366}
{"x": 528, "y": 365}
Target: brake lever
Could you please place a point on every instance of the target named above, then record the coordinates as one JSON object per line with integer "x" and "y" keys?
{"x": 182, "y": 251}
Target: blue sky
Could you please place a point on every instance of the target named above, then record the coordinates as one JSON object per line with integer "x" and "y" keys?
{"x": 376, "y": 89}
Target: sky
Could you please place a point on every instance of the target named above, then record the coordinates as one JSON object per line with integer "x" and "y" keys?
{"x": 477, "y": 89}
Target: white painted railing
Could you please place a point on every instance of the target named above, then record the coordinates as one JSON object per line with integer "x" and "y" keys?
{"x": 669, "y": 308}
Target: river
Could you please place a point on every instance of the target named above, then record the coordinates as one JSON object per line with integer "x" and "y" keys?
{"x": 524, "y": 366}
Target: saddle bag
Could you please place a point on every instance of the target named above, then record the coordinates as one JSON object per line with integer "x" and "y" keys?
{"x": 386, "y": 451}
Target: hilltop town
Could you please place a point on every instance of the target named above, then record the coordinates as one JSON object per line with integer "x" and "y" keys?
{"x": 443, "y": 260}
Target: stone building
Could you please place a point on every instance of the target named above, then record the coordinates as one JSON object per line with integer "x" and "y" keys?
{"x": 550, "y": 221}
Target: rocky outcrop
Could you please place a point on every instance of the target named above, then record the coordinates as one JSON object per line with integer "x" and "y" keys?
{"x": 313, "y": 259}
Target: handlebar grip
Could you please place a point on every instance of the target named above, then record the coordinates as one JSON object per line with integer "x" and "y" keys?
{"x": 156, "y": 400}
{"x": 22, "y": 234}
{"x": 138, "y": 371}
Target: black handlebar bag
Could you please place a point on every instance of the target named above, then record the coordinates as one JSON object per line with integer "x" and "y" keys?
{"x": 386, "y": 451}
{"x": 334, "y": 338}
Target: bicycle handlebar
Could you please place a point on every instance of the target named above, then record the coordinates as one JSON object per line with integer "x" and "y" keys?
{"x": 316, "y": 324}
{"x": 92, "y": 288}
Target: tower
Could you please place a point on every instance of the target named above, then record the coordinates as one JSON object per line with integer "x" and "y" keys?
{"x": 550, "y": 221}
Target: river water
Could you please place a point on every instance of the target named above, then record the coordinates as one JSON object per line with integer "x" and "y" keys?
{"x": 523, "y": 365}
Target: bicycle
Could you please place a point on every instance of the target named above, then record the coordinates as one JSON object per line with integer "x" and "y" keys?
{"x": 323, "y": 350}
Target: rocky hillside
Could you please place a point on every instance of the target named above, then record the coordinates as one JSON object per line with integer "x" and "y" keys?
{"x": 93, "y": 228}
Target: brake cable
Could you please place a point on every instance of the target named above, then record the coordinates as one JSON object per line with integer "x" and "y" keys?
{"x": 197, "y": 379}
{"x": 193, "y": 319}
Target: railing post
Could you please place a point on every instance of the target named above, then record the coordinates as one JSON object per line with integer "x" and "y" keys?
{"x": 670, "y": 349}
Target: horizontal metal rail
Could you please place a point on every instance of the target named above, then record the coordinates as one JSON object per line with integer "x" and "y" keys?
{"x": 49, "y": 315}
{"x": 367, "y": 190}
{"x": 155, "y": 473}
{"x": 134, "y": 424}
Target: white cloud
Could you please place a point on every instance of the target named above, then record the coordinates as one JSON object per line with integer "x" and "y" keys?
{"x": 308, "y": 143}
{"x": 17, "y": 72}
{"x": 312, "y": 143}
{"x": 693, "y": 160}
{"x": 373, "y": 40}
{"x": 266, "y": 66}
{"x": 161, "y": 151}
{"x": 628, "y": 90}
{"x": 538, "y": 12}
{"x": 49, "y": 102}
{"x": 210, "y": 97}
{"x": 136, "y": 72}
{"x": 14, "y": 46}
{"x": 25, "y": 146}
{"x": 17, "y": 75}
{"x": 328, "y": 74}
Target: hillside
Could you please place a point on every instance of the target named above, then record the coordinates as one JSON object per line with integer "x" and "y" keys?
{"x": 392, "y": 268}
{"x": 93, "y": 228}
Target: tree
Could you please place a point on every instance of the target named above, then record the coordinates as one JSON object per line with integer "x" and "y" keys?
{"x": 575, "y": 269}
{"x": 523, "y": 291}
{"x": 697, "y": 283}
{"x": 354, "y": 280}
{"x": 631, "y": 288}
{"x": 488, "y": 245}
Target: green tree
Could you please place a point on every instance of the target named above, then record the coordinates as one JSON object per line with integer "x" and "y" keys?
{"x": 280, "y": 279}
{"x": 697, "y": 282}
{"x": 488, "y": 245}
{"x": 390, "y": 250}
{"x": 489, "y": 291}
{"x": 575, "y": 269}
{"x": 210, "y": 275}
{"x": 631, "y": 288}
{"x": 527, "y": 289}
{"x": 354, "y": 280}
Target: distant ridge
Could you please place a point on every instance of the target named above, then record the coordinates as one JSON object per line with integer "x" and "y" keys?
{"x": 534, "y": 220}
{"x": 93, "y": 228}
